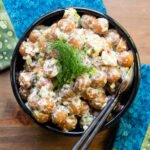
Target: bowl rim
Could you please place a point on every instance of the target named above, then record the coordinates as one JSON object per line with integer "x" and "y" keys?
{"x": 113, "y": 22}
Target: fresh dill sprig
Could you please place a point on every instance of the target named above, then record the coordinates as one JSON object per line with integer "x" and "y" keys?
{"x": 70, "y": 63}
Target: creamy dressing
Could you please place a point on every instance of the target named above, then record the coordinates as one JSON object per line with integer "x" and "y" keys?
{"x": 100, "y": 49}
{"x": 109, "y": 58}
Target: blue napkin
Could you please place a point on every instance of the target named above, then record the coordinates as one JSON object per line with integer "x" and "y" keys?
{"x": 135, "y": 122}
{"x": 133, "y": 125}
{"x": 24, "y": 12}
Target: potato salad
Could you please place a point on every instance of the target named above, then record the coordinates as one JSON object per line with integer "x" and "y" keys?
{"x": 71, "y": 69}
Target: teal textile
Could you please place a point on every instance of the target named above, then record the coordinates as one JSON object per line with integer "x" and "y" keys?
{"x": 24, "y": 12}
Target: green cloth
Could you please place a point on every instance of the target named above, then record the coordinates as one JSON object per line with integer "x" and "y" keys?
{"x": 146, "y": 141}
{"x": 8, "y": 38}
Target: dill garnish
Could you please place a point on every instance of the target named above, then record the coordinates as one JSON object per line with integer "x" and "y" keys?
{"x": 70, "y": 63}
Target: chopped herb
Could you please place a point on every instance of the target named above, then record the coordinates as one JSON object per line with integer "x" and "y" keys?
{"x": 70, "y": 61}
{"x": 48, "y": 49}
{"x": 92, "y": 71}
{"x": 85, "y": 48}
{"x": 41, "y": 60}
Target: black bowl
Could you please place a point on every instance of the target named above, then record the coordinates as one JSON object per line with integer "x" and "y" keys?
{"x": 17, "y": 65}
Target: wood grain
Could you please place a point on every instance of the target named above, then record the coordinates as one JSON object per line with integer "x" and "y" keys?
{"x": 18, "y": 131}
{"x": 134, "y": 15}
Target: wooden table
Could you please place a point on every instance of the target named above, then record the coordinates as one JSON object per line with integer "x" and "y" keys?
{"x": 17, "y": 130}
